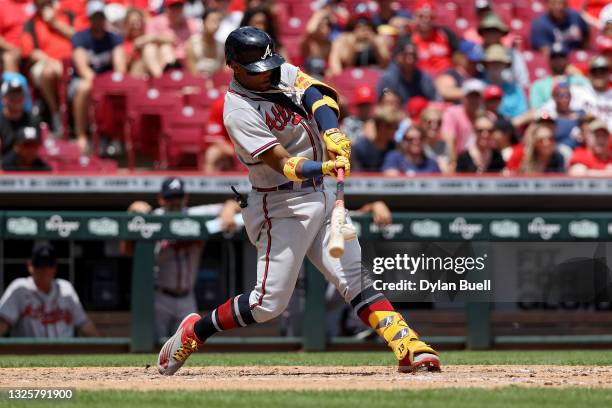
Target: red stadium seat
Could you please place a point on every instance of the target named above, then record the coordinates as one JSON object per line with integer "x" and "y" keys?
{"x": 351, "y": 78}
{"x": 537, "y": 64}
{"x": 179, "y": 80}
{"x": 184, "y": 130}
{"x": 146, "y": 119}
{"x": 111, "y": 96}
{"x": 202, "y": 100}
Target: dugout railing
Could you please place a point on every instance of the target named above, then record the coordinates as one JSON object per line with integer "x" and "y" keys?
{"x": 408, "y": 227}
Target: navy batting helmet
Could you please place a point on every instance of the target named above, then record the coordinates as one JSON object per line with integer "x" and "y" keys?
{"x": 252, "y": 49}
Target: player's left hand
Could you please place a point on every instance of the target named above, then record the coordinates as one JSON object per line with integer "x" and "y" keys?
{"x": 337, "y": 143}
{"x": 329, "y": 167}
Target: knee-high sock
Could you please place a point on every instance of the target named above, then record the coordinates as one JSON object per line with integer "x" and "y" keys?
{"x": 231, "y": 314}
{"x": 376, "y": 311}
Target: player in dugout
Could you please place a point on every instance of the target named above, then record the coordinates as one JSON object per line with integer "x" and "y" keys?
{"x": 42, "y": 305}
{"x": 177, "y": 262}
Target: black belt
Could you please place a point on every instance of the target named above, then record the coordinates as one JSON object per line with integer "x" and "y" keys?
{"x": 291, "y": 184}
{"x": 173, "y": 293}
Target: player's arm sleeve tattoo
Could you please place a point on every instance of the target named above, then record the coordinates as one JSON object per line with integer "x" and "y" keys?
{"x": 247, "y": 129}
{"x": 10, "y": 304}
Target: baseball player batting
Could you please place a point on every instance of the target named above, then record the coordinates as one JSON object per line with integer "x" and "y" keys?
{"x": 284, "y": 126}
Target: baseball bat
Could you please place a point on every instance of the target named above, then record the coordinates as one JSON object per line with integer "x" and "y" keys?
{"x": 336, "y": 241}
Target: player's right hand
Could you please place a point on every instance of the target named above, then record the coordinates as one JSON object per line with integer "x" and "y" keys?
{"x": 329, "y": 167}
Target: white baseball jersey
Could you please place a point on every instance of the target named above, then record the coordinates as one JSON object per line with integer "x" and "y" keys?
{"x": 177, "y": 262}
{"x": 287, "y": 225}
{"x": 255, "y": 125}
{"x": 32, "y": 313}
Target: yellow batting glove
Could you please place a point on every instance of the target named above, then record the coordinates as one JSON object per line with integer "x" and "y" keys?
{"x": 329, "y": 167}
{"x": 337, "y": 143}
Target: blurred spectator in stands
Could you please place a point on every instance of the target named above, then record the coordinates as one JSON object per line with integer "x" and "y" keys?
{"x": 262, "y": 18}
{"x": 435, "y": 45}
{"x": 135, "y": 40}
{"x": 590, "y": 10}
{"x": 603, "y": 42}
{"x": 483, "y": 9}
{"x": 466, "y": 62}
{"x": 458, "y": 120}
{"x": 363, "y": 101}
{"x": 370, "y": 150}
{"x": 41, "y": 305}
{"x": 177, "y": 262}
{"x": 403, "y": 75}
{"x": 541, "y": 90}
{"x": 25, "y": 155}
{"x": 497, "y": 63}
{"x": 435, "y": 147}
{"x": 358, "y": 46}
{"x": 410, "y": 157}
{"x": 172, "y": 29}
{"x": 385, "y": 12}
{"x": 505, "y": 137}
{"x": 559, "y": 24}
{"x": 596, "y": 99}
{"x": 13, "y": 15}
{"x": 390, "y": 97}
{"x": 539, "y": 153}
{"x": 481, "y": 156}
{"x": 14, "y": 117}
{"x": 46, "y": 42}
{"x": 315, "y": 44}
{"x": 493, "y": 31}
{"x": 566, "y": 119}
{"x": 205, "y": 55}
{"x": 95, "y": 51}
{"x": 596, "y": 158}
{"x": 231, "y": 18}
{"x": 77, "y": 9}
{"x": 8, "y": 76}
{"x": 194, "y": 9}
{"x": 492, "y": 96}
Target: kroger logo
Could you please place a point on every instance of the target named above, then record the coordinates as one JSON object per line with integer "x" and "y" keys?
{"x": 104, "y": 227}
{"x": 63, "y": 228}
{"x": 426, "y": 228}
{"x": 185, "y": 227}
{"x": 505, "y": 229}
{"x": 540, "y": 227}
{"x": 22, "y": 226}
{"x": 145, "y": 229}
{"x": 461, "y": 226}
{"x": 387, "y": 231}
{"x": 584, "y": 229}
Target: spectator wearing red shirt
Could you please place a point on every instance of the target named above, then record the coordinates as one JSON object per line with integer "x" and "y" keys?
{"x": 596, "y": 158}
{"x": 435, "y": 45}
{"x": 13, "y": 15}
{"x": 46, "y": 42}
{"x": 539, "y": 153}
